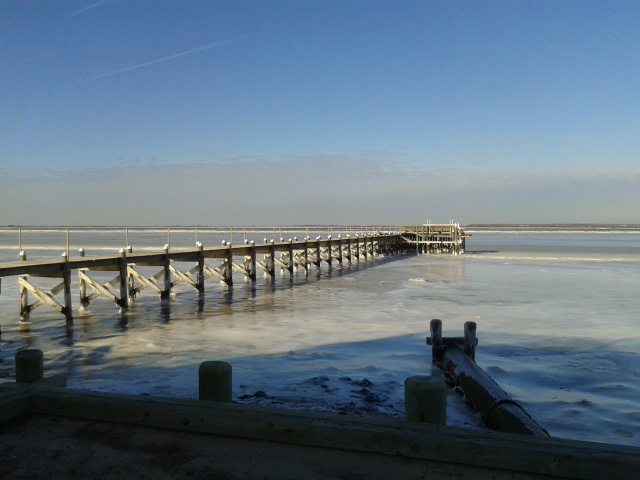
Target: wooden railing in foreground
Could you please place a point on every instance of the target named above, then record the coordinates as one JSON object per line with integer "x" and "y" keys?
{"x": 498, "y": 455}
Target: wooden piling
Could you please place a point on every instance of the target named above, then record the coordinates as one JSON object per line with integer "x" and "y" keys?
{"x": 200, "y": 278}
{"x": 215, "y": 381}
{"x": 166, "y": 291}
{"x": 82, "y": 284}
{"x": 436, "y": 338}
{"x": 425, "y": 399}
{"x": 470, "y": 340}
{"x": 24, "y": 299}
{"x": 123, "y": 271}
{"x": 29, "y": 366}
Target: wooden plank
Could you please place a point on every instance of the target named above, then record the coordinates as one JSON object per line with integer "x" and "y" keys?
{"x": 15, "y": 398}
{"x": 44, "y": 297}
{"x": 213, "y": 272}
{"x": 143, "y": 281}
{"x": 181, "y": 414}
{"x": 518, "y": 453}
{"x": 8, "y": 389}
{"x": 14, "y": 406}
{"x": 98, "y": 288}
{"x": 181, "y": 277}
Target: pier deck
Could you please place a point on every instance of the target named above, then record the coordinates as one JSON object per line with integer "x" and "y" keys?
{"x": 247, "y": 259}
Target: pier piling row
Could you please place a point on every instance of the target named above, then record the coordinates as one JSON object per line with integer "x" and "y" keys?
{"x": 248, "y": 258}
{"x": 129, "y": 281}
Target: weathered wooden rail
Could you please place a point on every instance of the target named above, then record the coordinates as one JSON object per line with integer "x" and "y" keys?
{"x": 464, "y": 452}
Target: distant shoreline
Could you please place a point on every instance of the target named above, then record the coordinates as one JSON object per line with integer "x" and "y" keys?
{"x": 468, "y": 225}
{"x": 559, "y": 228}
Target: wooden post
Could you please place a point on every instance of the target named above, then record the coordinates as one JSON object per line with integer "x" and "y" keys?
{"x": 318, "y": 261}
{"x": 470, "y": 340}
{"x": 292, "y": 263}
{"x": 228, "y": 270}
{"x": 24, "y": 293}
{"x": 215, "y": 381}
{"x": 253, "y": 267}
{"x": 84, "y": 302}
{"x": 68, "y": 309}
{"x": 425, "y": 399}
{"x": 436, "y": 339}
{"x": 24, "y": 301}
{"x": 166, "y": 291}
{"x": 124, "y": 282}
{"x": 29, "y": 366}
{"x": 271, "y": 261}
{"x": 200, "y": 274}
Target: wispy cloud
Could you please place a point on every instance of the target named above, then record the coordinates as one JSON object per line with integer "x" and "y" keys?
{"x": 331, "y": 188}
{"x": 91, "y": 7}
{"x": 162, "y": 60}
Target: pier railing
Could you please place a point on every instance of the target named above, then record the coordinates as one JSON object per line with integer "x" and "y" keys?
{"x": 48, "y": 242}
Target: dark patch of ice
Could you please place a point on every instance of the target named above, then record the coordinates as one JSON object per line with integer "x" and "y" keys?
{"x": 319, "y": 380}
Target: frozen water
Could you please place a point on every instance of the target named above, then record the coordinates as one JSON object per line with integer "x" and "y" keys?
{"x": 556, "y": 317}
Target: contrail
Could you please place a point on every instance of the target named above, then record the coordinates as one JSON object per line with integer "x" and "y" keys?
{"x": 90, "y": 7}
{"x": 165, "y": 59}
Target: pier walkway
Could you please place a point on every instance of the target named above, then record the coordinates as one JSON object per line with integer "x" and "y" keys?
{"x": 131, "y": 275}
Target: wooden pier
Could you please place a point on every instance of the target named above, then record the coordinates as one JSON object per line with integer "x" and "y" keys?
{"x": 435, "y": 238}
{"x": 220, "y": 262}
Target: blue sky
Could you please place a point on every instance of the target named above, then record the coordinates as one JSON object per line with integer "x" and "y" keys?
{"x": 231, "y": 112}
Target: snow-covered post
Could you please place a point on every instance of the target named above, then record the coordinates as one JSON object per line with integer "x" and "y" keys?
{"x": 425, "y": 399}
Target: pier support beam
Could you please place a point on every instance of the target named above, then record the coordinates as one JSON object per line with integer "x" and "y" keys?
{"x": 268, "y": 263}
{"x": 105, "y": 289}
{"x": 47, "y": 298}
{"x": 200, "y": 278}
